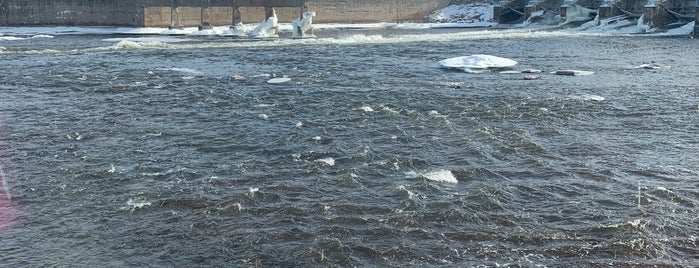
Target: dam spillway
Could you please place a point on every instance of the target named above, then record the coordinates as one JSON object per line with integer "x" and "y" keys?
{"x": 655, "y": 13}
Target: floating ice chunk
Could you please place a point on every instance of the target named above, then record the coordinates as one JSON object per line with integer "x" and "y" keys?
{"x": 328, "y": 161}
{"x": 510, "y": 72}
{"x": 42, "y": 36}
{"x": 440, "y": 175}
{"x": 239, "y": 77}
{"x": 302, "y": 26}
{"x": 572, "y": 72}
{"x": 531, "y": 77}
{"x": 366, "y": 108}
{"x": 279, "y": 80}
{"x": 267, "y": 27}
{"x": 591, "y": 97}
{"x": 477, "y": 63}
{"x": 649, "y": 66}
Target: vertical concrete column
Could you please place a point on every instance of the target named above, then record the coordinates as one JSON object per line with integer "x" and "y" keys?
{"x": 237, "y": 19}
{"x": 269, "y": 11}
{"x": 563, "y": 11}
{"x": 497, "y": 10}
{"x": 605, "y": 12}
{"x": 205, "y": 16}
{"x": 174, "y": 16}
{"x": 651, "y": 14}
{"x": 528, "y": 11}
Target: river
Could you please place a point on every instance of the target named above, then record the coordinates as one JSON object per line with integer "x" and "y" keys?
{"x": 174, "y": 151}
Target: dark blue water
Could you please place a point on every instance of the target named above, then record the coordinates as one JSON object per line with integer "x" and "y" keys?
{"x": 150, "y": 153}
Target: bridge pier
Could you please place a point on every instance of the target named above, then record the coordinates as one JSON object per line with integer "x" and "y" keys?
{"x": 268, "y": 5}
{"x": 174, "y": 16}
{"x": 205, "y": 16}
{"x": 606, "y": 10}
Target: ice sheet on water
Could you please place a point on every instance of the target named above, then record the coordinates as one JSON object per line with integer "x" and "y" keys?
{"x": 478, "y": 61}
{"x": 278, "y": 80}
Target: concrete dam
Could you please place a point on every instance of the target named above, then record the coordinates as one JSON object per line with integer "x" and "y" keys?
{"x": 163, "y": 13}
{"x": 207, "y": 13}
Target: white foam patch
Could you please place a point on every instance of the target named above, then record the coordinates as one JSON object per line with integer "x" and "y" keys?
{"x": 182, "y": 70}
{"x": 11, "y": 38}
{"x": 588, "y": 97}
{"x": 328, "y": 161}
{"x": 132, "y": 204}
{"x": 438, "y": 175}
{"x": 162, "y": 39}
{"x": 128, "y": 44}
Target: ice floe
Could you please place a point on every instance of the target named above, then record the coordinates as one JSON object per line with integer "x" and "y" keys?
{"x": 477, "y": 63}
{"x": 278, "y": 80}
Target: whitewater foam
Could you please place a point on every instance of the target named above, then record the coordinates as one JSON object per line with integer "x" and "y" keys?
{"x": 328, "y": 161}
{"x": 133, "y": 204}
{"x": 437, "y": 175}
{"x": 129, "y": 44}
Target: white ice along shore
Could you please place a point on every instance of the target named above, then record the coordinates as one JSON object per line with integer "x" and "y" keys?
{"x": 475, "y": 15}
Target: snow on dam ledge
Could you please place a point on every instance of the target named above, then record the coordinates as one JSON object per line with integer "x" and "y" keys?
{"x": 157, "y": 13}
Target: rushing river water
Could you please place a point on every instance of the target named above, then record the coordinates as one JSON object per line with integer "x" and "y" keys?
{"x": 151, "y": 153}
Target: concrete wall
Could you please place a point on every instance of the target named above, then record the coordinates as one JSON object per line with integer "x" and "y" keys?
{"x": 71, "y": 12}
{"x": 157, "y": 12}
{"x": 343, "y": 11}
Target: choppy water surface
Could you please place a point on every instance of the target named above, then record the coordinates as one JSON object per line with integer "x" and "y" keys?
{"x": 152, "y": 154}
